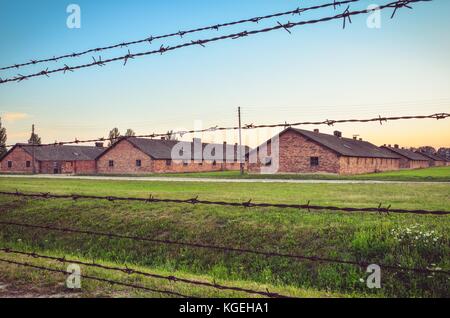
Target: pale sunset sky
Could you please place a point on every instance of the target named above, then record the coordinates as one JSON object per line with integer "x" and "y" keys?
{"x": 318, "y": 72}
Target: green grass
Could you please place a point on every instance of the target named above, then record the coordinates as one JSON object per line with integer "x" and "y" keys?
{"x": 356, "y": 236}
{"x": 435, "y": 174}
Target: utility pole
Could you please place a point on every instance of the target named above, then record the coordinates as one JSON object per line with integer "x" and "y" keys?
{"x": 33, "y": 148}
{"x": 241, "y": 164}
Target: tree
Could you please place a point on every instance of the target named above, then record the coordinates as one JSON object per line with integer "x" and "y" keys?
{"x": 170, "y": 135}
{"x": 114, "y": 136}
{"x": 2, "y": 139}
{"x": 427, "y": 149}
{"x": 130, "y": 133}
{"x": 34, "y": 139}
{"x": 444, "y": 152}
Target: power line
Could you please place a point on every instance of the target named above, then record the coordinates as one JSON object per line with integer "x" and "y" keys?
{"x": 247, "y": 204}
{"x": 345, "y": 16}
{"x": 329, "y": 122}
{"x": 150, "y": 39}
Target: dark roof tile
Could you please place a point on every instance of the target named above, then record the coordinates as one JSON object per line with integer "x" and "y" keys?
{"x": 411, "y": 155}
{"x": 162, "y": 149}
{"x": 431, "y": 156}
{"x": 346, "y": 146}
{"x": 63, "y": 152}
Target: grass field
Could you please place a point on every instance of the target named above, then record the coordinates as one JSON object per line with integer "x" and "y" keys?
{"x": 435, "y": 174}
{"x": 406, "y": 240}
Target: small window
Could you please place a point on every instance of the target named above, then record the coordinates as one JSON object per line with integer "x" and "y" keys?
{"x": 138, "y": 163}
{"x": 214, "y": 163}
{"x": 314, "y": 161}
{"x": 28, "y": 164}
{"x": 267, "y": 161}
{"x": 168, "y": 162}
{"x": 111, "y": 163}
{"x": 185, "y": 163}
{"x": 9, "y": 164}
{"x": 200, "y": 163}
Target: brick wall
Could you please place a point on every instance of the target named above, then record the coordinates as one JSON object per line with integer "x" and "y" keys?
{"x": 160, "y": 166}
{"x": 433, "y": 163}
{"x": 124, "y": 155}
{"x": 295, "y": 154}
{"x": 85, "y": 167}
{"x": 68, "y": 167}
{"x": 405, "y": 163}
{"x": 358, "y": 165}
{"x": 418, "y": 164}
{"x": 19, "y": 158}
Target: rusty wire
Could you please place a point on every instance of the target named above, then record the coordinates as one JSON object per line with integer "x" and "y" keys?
{"x": 248, "y": 204}
{"x": 329, "y": 122}
{"x": 362, "y": 264}
{"x": 150, "y": 39}
{"x": 104, "y": 280}
{"x": 131, "y": 271}
{"x": 346, "y": 16}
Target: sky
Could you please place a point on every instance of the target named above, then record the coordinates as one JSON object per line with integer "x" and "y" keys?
{"x": 318, "y": 72}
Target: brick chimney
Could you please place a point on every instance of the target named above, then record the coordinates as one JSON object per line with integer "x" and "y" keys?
{"x": 337, "y": 133}
{"x": 99, "y": 144}
{"x": 396, "y": 146}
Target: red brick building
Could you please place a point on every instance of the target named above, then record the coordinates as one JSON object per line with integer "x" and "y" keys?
{"x": 408, "y": 158}
{"x": 303, "y": 151}
{"x": 140, "y": 156}
{"x": 434, "y": 160}
{"x": 51, "y": 159}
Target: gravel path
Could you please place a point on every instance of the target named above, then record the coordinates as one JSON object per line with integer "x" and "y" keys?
{"x": 187, "y": 179}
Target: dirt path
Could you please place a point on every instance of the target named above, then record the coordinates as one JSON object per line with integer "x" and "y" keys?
{"x": 9, "y": 290}
{"x": 187, "y": 179}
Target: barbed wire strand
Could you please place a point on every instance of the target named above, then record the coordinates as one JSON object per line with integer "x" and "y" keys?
{"x": 131, "y": 271}
{"x": 181, "y": 133}
{"x": 346, "y": 15}
{"x": 104, "y": 280}
{"x": 248, "y": 204}
{"x": 150, "y": 39}
{"x": 110, "y": 235}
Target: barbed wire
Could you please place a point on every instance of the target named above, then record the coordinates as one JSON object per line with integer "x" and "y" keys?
{"x": 346, "y": 16}
{"x": 180, "y": 34}
{"x": 104, "y": 280}
{"x": 131, "y": 271}
{"x": 181, "y": 133}
{"x": 248, "y": 204}
{"x": 362, "y": 264}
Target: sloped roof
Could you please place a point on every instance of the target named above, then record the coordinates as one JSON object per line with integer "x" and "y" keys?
{"x": 345, "y": 146}
{"x": 431, "y": 156}
{"x": 62, "y": 152}
{"x": 411, "y": 155}
{"x": 162, "y": 149}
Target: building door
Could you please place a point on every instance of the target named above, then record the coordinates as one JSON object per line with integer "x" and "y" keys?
{"x": 56, "y": 167}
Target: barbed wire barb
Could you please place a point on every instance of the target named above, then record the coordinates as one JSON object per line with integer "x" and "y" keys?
{"x": 150, "y": 39}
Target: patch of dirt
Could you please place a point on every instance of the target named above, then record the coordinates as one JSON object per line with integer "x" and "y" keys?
{"x": 10, "y": 291}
